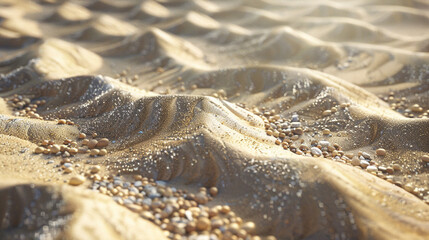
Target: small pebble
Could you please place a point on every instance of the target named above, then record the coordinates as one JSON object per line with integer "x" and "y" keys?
{"x": 102, "y": 143}
{"x": 380, "y": 152}
{"x": 77, "y": 180}
{"x": 425, "y": 158}
{"x": 396, "y": 167}
{"x": 94, "y": 152}
{"x": 39, "y": 150}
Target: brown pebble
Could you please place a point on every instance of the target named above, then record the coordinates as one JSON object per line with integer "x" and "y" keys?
{"x": 39, "y": 150}
{"x": 55, "y": 148}
{"x": 62, "y": 121}
{"x": 396, "y": 167}
{"x": 92, "y": 143}
{"x": 201, "y": 198}
{"x": 425, "y": 158}
{"x": 248, "y": 227}
{"x": 94, "y": 152}
{"x": 380, "y": 152}
{"x": 77, "y": 180}
{"x": 213, "y": 191}
{"x": 68, "y": 170}
{"x": 82, "y": 135}
{"x": 203, "y": 224}
{"x": 85, "y": 141}
{"x": 102, "y": 143}
{"x": 95, "y": 169}
{"x": 102, "y": 152}
{"x": 73, "y": 151}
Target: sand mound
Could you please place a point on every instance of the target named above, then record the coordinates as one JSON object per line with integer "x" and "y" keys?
{"x": 66, "y": 213}
{"x": 282, "y": 106}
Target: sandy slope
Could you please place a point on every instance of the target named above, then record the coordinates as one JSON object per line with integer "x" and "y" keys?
{"x": 183, "y": 111}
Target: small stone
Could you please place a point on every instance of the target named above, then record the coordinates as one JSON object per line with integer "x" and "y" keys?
{"x": 94, "y": 152}
{"x": 372, "y": 168}
{"x": 248, "y": 227}
{"x": 39, "y": 150}
{"x": 295, "y": 125}
{"x": 77, "y": 180}
{"x": 102, "y": 152}
{"x": 326, "y": 113}
{"x": 364, "y": 164}
{"x": 82, "y": 135}
{"x": 73, "y": 151}
{"x": 203, "y": 224}
{"x": 425, "y": 158}
{"x": 201, "y": 198}
{"x": 102, "y": 143}
{"x": 68, "y": 170}
{"x": 95, "y": 169}
{"x": 389, "y": 170}
{"x": 213, "y": 191}
{"x": 380, "y": 152}
{"x": 326, "y": 131}
{"x": 62, "y": 121}
{"x": 85, "y": 141}
{"x": 92, "y": 143}
{"x": 355, "y": 161}
{"x": 316, "y": 151}
{"x": 396, "y": 167}
{"x": 366, "y": 155}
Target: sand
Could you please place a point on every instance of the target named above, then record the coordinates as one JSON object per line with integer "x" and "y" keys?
{"x": 178, "y": 88}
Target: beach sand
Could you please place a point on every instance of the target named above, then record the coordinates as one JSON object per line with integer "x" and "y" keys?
{"x": 231, "y": 119}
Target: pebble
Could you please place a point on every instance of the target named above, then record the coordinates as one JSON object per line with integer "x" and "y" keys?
{"x": 364, "y": 164}
{"x": 102, "y": 152}
{"x": 102, "y": 143}
{"x": 326, "y": 131}
{"x": 295, "y": 125}
{"x": 203, "y": 224}
{"x": 380, "y": 152}
{"x": 372, "y": 168}
{"x": 82, "y": 135}
{"x": 95, "y": 169}
{"x": 77, "y": 180}
{"x": 396, "y": 167}
{"x": 94, "y": 152}
{"x": 55, "y": 148}
{"x": 355, "y": 161}
{"x": 316, "y": 151}
{"x": 39, "y": 150}
{"x": 366, "y": 155}
{"x": 92, "y": 143}
{"x": 248, "y": 227}
{"x": 425, "y": 158}
{"x": 213, "y": 191}
{"x": 326, "y": 113}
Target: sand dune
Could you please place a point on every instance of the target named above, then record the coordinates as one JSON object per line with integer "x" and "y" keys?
{"x": 283, "y": 106}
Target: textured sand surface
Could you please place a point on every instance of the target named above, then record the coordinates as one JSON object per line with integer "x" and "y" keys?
{"x": 177, "y": 87}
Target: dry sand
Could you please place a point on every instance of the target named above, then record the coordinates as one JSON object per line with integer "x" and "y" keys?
{"x": 182, "y": 90}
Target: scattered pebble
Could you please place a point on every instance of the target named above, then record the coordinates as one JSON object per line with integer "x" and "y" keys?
{"x": 77, "y": 180}
{"x": 380, "y": 152}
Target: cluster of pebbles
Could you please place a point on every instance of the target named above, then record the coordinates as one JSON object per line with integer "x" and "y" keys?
{"x": 95, "y": 147}
{"x": 288, "y": 134}
{"x": 181, "y": 214}
{"x": 401, "y": 105}
{"x": 24, "y": 106}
